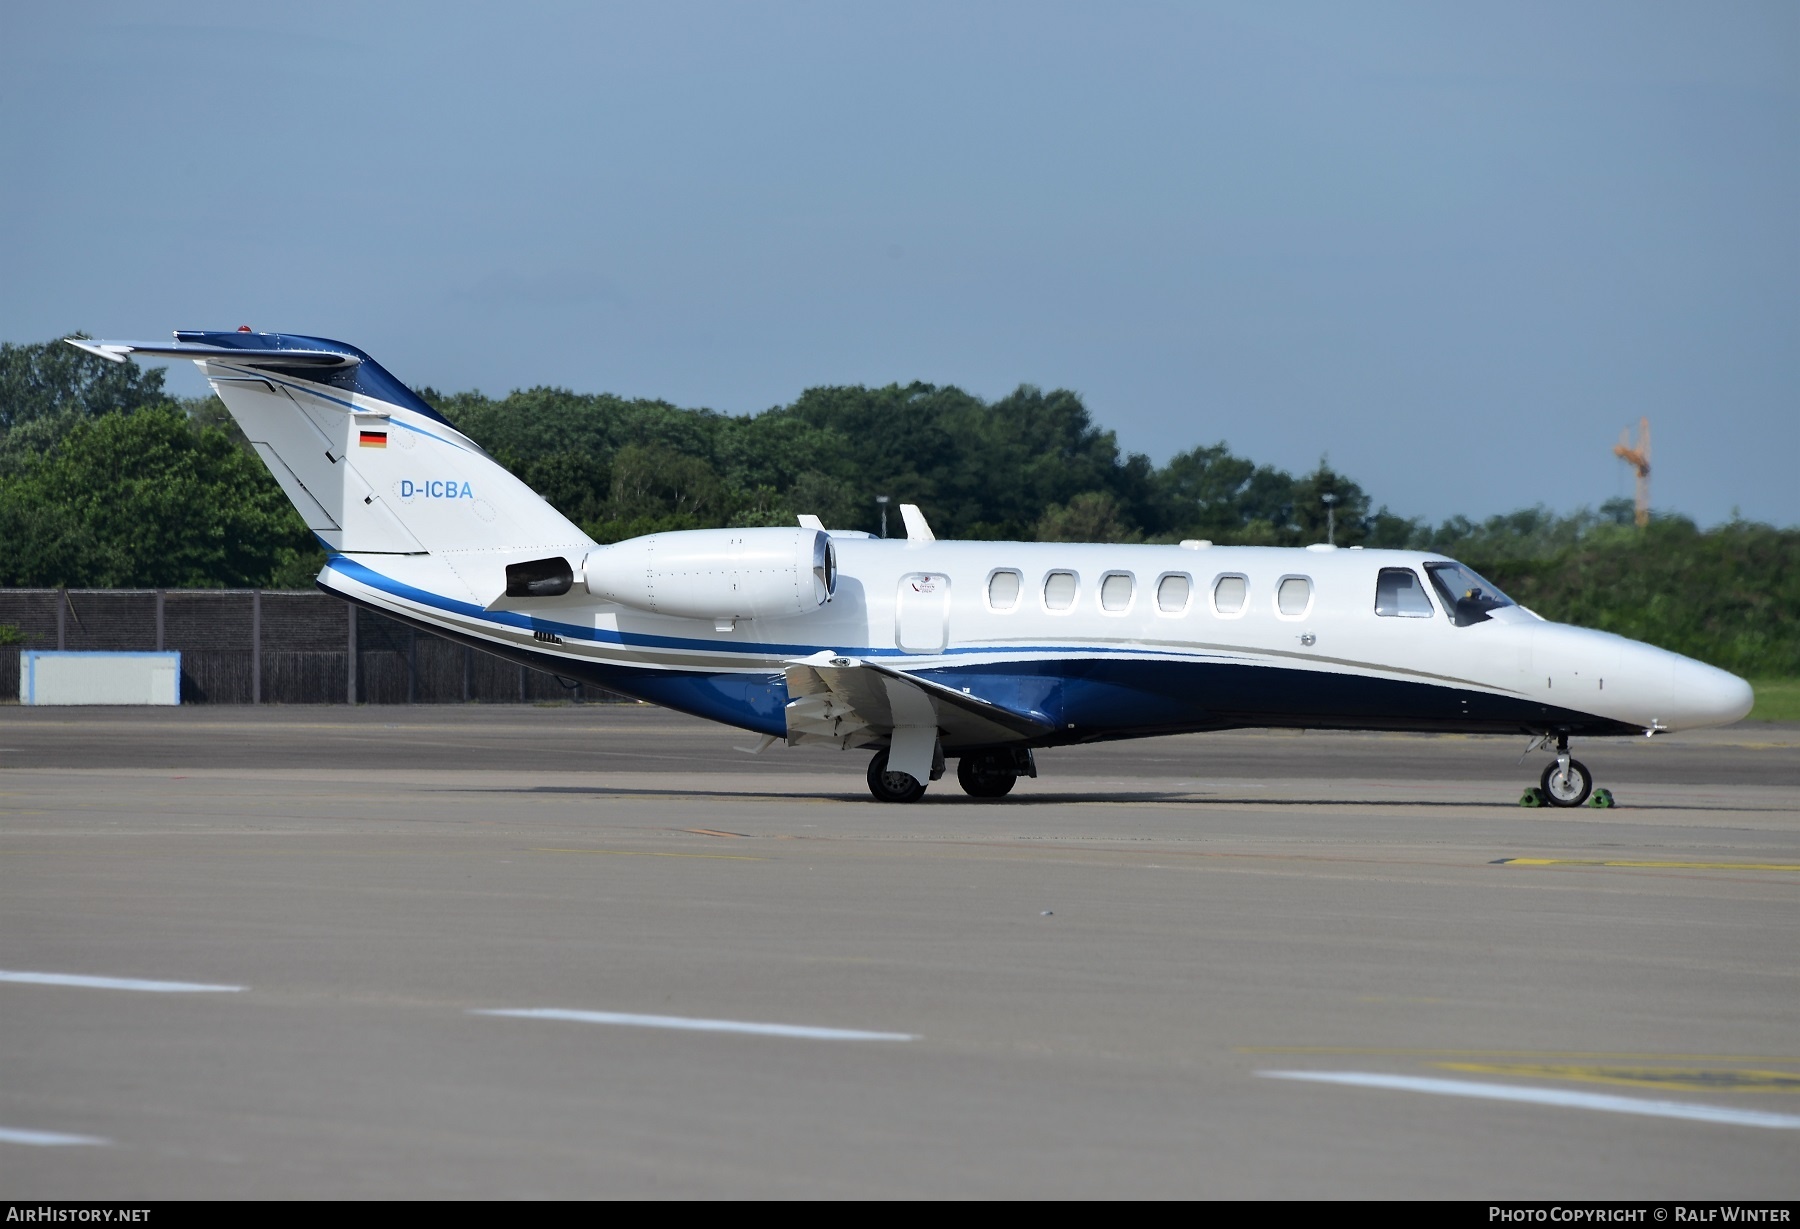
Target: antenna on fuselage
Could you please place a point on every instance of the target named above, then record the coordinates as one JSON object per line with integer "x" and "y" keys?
{"x": 1638, "y": 457}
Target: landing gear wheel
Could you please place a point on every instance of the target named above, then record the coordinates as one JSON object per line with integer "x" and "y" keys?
{"x": 1569, "y": 789}
{"x": 986, "y": 776}
{"x": 894, "y": 786}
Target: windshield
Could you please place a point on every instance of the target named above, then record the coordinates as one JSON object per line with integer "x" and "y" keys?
{"x": 1466, "y": 595}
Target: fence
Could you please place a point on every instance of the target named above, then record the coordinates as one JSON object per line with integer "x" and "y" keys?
{"x": 257, "y": 646}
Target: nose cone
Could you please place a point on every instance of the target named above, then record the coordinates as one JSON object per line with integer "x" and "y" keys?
{"x": 1705, "y": 696}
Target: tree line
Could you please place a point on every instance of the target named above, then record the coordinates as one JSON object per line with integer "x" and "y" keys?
{"x": 107, "y": 481}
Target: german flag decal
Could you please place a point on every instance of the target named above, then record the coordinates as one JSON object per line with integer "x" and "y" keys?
{"x": 372, "y": 439}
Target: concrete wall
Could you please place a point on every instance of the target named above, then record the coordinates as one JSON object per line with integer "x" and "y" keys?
{"x": 243, "y": 646}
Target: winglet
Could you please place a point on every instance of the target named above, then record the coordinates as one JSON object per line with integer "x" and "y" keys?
{"x": 916, "y": 528}
{"x": 809, "y": 521}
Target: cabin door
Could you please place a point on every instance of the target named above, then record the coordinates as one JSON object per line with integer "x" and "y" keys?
{"x": 922, "y": 613}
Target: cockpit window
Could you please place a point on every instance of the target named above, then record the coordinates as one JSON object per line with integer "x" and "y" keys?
{"x": 1399, "y": 595}
{"x": 1466, "y": 595}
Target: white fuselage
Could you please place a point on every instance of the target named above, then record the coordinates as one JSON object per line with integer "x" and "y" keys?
{"x": 1134, "y": 613}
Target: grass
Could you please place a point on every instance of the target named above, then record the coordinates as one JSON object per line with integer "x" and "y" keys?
{"x": 1776, "y": 700}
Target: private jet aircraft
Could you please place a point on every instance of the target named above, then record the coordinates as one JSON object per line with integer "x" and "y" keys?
{"x": 916, "y": 649}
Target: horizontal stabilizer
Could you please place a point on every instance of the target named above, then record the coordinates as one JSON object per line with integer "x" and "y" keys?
{"x": 315, "y": 360}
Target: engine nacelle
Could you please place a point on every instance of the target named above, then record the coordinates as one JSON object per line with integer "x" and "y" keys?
{"x": 718, "y": 573}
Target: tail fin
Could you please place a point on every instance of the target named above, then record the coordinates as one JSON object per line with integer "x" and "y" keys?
{"x": 371, "y": 467}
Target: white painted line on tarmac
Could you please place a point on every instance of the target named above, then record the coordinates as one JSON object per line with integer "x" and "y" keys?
{"x": 46, "y": 1139}
{"x": 113, "y": 983}
{"x": 691, "y": 1024}
{"x": 1549, "y": 1096}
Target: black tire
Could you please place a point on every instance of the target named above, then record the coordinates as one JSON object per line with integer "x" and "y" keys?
{"x": 986, "y": 776}
{"x": 1571, "y": 791}
{"x": 892, "y": 786}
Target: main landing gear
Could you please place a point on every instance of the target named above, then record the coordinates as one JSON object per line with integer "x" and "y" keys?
{"x": 1566, "y": 781}
{"x": 892, "y": 786}
{"x": 990, "y": 774}
{"x": 982, "y": 774}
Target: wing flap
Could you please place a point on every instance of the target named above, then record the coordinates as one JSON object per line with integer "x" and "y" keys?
{"x": 855, "y": 702}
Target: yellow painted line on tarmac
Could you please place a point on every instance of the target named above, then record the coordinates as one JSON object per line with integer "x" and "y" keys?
{"x": 1665, "y": 866}
{"x": 651, "y": 853}
{"x": 1684, "y": 1079}
{"x": 1539, "y": 1055}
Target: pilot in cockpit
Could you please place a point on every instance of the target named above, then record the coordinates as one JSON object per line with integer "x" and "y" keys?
{"x": 1469, "y": 607}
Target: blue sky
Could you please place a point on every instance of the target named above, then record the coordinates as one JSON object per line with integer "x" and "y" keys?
{"x": 1455, "y": 247}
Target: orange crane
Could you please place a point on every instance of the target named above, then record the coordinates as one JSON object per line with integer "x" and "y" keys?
{"x": 1638, "y": 458}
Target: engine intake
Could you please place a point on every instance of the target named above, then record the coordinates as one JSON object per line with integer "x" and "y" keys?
{"x": 539, "y": 578}
{"x": 718, "y": 573}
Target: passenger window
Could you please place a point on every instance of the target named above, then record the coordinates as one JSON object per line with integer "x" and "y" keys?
{"x": 1059, "y": 591}
{"x": 1172, "y": 593}
{"x": 1293, "y": 595}
{"x": 1115, "y": 591}
{"x": 1003, "y": 590}
{"x": 1229, "y": 594}
{"x": 1399, "y": 595}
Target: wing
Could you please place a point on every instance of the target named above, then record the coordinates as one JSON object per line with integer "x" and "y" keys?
{"x": 855, "y": 702}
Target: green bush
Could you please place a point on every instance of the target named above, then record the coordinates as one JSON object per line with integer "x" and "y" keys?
{"x": 1729, "y": 596}
{"x": 146, "y": 499}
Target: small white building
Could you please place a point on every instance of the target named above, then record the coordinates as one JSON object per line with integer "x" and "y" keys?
{"x": 99, "y": 678}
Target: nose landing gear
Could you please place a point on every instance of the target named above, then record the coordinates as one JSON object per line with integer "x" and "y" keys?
{"x": 1566, "y": 781}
